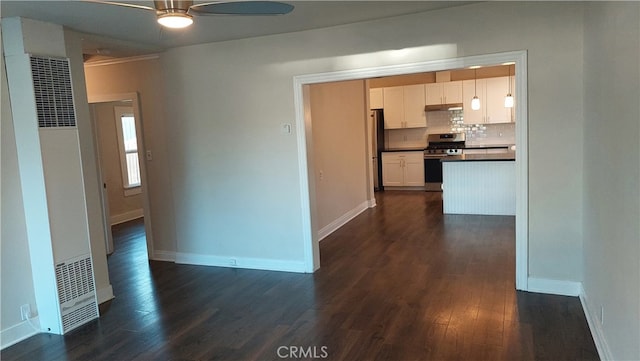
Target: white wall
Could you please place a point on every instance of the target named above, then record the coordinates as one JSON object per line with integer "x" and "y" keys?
{"x": 15, "y": 242}
{"x": 143, "y": 77}
{"x": 92, "y": 184}
{"x": 339, "y": 151}
{"x": 612, "y": 174}
{"x": 235, "y": 176}
{"x": 15, "y": 264}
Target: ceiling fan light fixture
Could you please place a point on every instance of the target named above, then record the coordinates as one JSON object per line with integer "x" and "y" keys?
{"x": 175, "y": 19}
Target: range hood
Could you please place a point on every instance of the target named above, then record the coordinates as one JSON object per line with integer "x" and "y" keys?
{"x": 439, "y": 107}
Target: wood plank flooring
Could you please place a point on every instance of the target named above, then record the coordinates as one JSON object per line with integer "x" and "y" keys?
{"x": 399, "y": 282}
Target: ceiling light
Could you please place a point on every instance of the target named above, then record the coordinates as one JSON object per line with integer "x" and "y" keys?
{"x": 175, "y": 19}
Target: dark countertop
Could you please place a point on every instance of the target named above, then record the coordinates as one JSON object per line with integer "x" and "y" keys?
{"x": 403, "y": 150}
{"x": 494, "y": 157}
{"x": 497, "y": 146}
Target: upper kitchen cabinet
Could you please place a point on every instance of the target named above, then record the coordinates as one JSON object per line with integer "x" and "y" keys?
{"x": 376, "y": 98}
{"x": 491, "y": 92}
{"x": 393, "y": 107}
{"x": 497, "y": 89}
{"x": 414, "y": 115}
{"x": 404, "y": 107}
{"x": 443, "y": 93}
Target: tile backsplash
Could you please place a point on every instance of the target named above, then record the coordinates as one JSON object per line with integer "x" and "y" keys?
{"x": 477, "y": 134}
{"x": 451, "y": 121}
{"x": 406, "y": 138}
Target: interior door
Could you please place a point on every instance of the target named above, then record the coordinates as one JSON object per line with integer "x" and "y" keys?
{"x": 104, "y": 196}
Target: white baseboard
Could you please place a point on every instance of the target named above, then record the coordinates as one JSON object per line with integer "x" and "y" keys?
{"x": 105, "y": 294}
{"x": 412, "y": 188}
{"x": 604, "y": 352}
{"x": 372, "y": 203}
{"x": 342, "y": 220}
{"x": 237, "y": 262}
{"x": 165, "y": 256}
{"x": 554, "y": 287}
{"x": 17, "y": 333}
{"x": 571, "y": 288}
{"x": 126, "y": 216}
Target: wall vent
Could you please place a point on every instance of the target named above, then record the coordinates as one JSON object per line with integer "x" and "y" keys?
{"x": 53, "y": 92}
{"x": 79, "y": 317}
{"x": 76, "y": 288}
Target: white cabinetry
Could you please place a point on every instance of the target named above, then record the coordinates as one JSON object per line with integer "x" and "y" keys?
{"x": 491, "y": 92}
{"x": 376, "y": 98}
{"x": 496, "y": 90}
{"x": 414, "y": 115}
{"x": 393, "y": 107}
{"x": 443, "y": 93}
{"x": 404, "y": 107}
{"x": 403, "y": 169}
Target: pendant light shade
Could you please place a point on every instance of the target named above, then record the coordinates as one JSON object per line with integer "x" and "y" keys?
{"x": 475, "y": 101}
{"x": 508, "y": 100}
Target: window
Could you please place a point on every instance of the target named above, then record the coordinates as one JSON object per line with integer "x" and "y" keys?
{"x": 128, "y": 145}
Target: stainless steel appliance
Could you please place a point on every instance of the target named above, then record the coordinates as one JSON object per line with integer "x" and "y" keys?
{"x": 439, "y": 146}
{"x": 377, "y": 146}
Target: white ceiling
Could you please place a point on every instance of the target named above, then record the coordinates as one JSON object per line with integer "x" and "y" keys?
{"x": 122, "y": 31}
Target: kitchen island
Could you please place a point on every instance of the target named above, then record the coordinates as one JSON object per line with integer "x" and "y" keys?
{"x": 479, "y": 184}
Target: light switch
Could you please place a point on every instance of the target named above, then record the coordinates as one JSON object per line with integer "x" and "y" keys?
{"x": 286, "y": 128}
{"x": 149, "y": 155}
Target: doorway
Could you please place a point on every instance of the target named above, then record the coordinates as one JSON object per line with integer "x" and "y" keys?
{"x": 303, "y": 123}
{"x": 121, "y": 163}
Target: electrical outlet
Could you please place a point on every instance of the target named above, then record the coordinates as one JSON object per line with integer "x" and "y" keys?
{"x": 25, "y": 312}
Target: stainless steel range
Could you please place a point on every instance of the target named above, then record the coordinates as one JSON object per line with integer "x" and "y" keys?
{"x": 440, "y": 146}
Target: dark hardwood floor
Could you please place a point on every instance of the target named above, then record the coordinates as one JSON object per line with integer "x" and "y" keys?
{"x": 399, "y": 282}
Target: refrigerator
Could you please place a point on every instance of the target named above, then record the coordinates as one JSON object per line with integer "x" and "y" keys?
{"x": 377, "y": 146}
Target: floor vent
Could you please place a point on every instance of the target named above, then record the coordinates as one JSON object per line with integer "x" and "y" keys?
{"x": 53, "y": 92}
{"x": 76, "y": 292}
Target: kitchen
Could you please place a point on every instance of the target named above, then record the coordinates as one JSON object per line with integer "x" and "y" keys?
{"x": 448, "y": 131}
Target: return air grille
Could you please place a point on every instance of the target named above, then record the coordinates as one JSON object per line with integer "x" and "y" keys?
{"x": 53, "y": 92}
{"x": 75, "y": 279}
{"x": 76, "y": 290}
{"x": 79, "y": 317}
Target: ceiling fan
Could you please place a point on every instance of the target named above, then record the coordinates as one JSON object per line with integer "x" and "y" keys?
{"x": 179, "y": 13}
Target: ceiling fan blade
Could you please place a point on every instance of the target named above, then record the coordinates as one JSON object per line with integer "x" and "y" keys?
{"x": 241, "y": 8}
{"x": 135, "y": 6}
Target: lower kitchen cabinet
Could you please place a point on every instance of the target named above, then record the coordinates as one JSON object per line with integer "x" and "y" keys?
{"x": 403, "y": 169}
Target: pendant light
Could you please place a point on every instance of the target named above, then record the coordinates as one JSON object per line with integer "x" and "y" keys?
{"x": 475, "y": 102}
{"x": 508, "y": 100}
